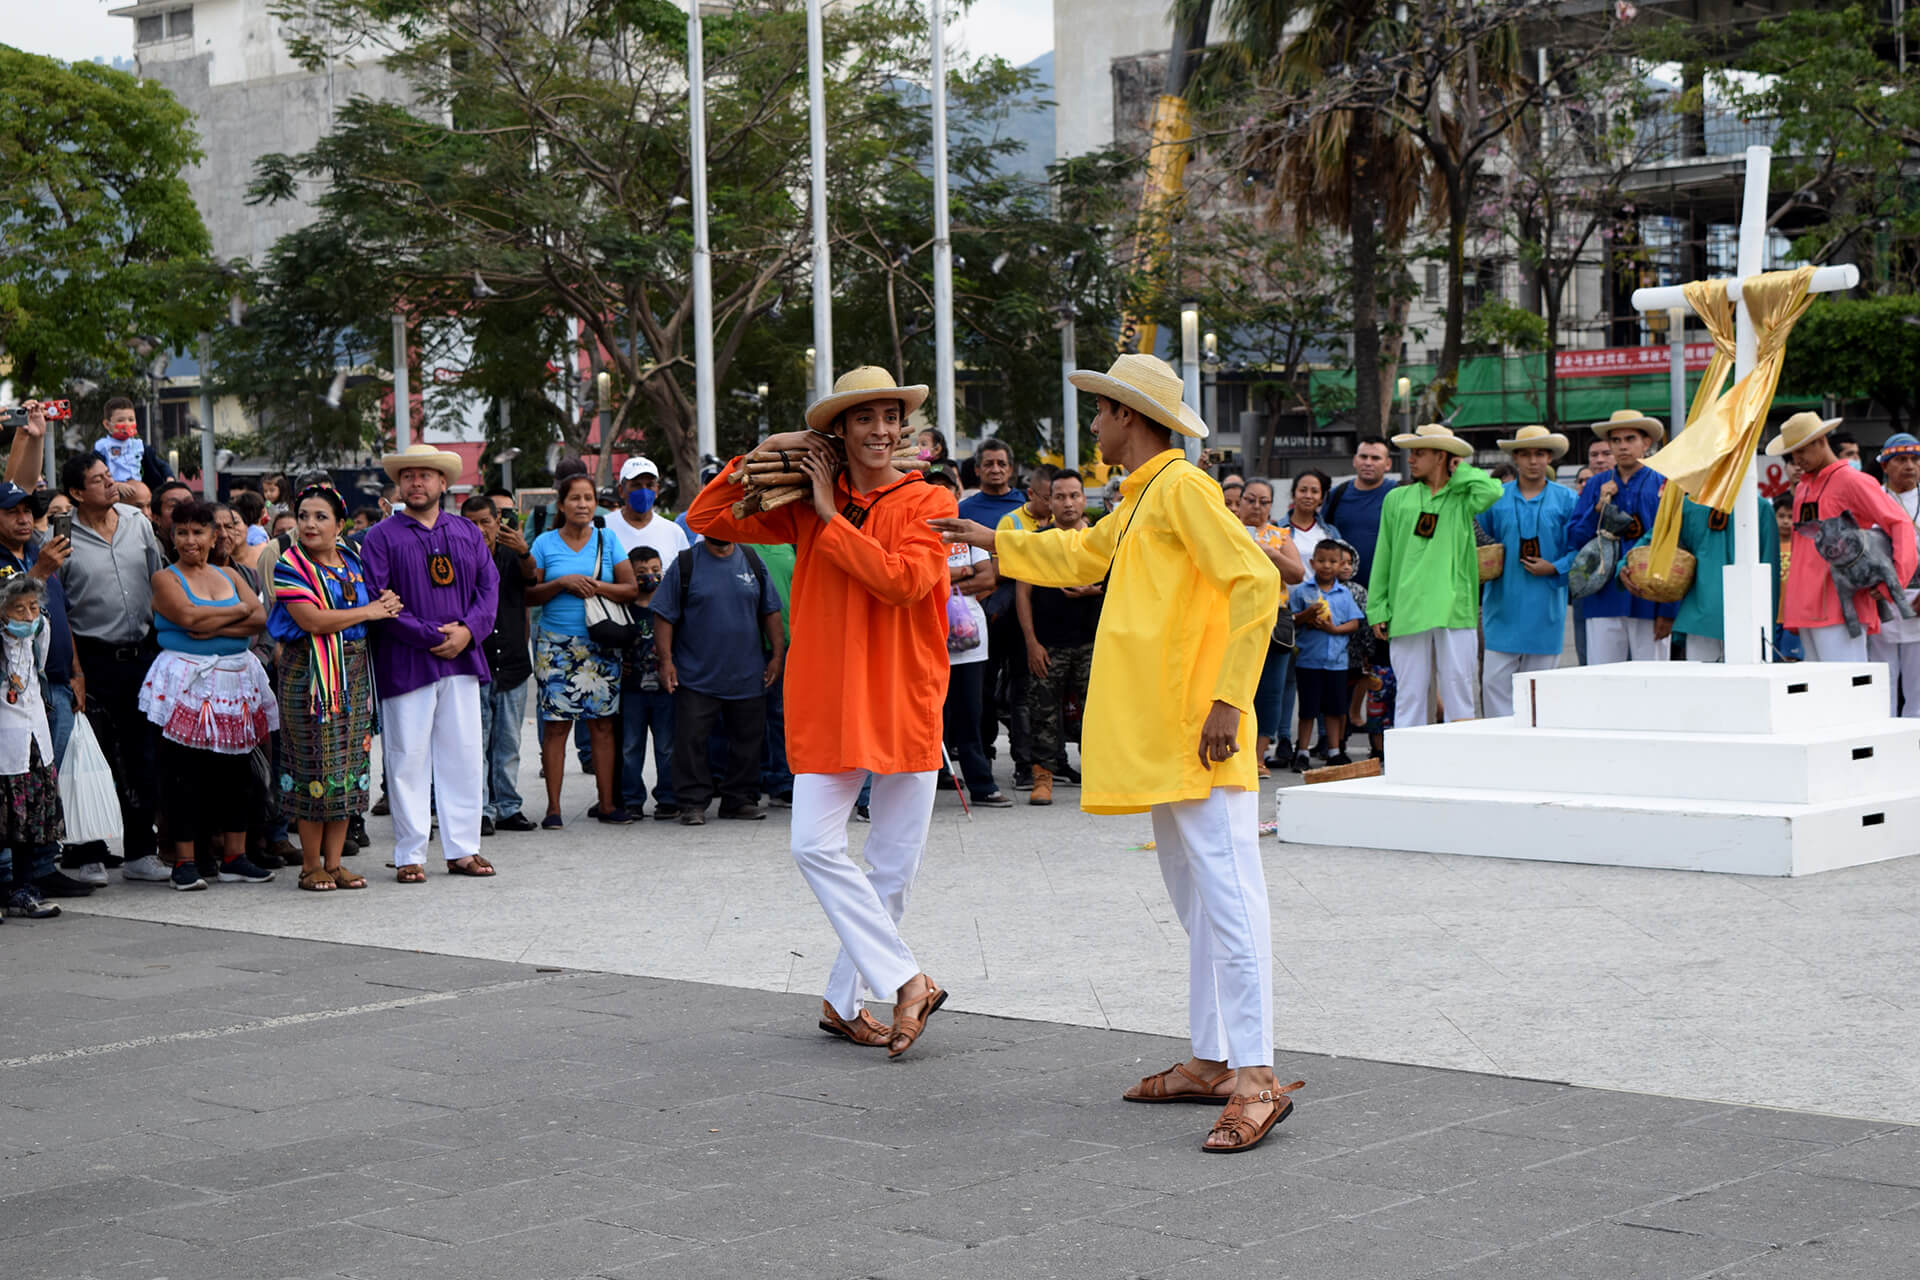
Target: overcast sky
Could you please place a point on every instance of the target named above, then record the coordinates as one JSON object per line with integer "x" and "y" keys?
{"x": 1019, "y": 30}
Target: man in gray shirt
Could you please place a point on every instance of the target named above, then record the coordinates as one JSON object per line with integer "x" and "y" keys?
{"x": 108, "y": 581}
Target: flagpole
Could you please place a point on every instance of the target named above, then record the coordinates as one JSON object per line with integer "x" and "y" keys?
{"x": 704, "y": 435}
{"x": 942, "y": 239}
{"x": 822, "y": 284}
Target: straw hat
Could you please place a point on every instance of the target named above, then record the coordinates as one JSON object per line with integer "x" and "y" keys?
{"x": 858, "y": 386}
{"x": 447, "y": 464}
{"x": 1801, "y": 428}
{"x": 1147, "y": 385}
{"x": 1634, "y": 420}
{"x": 1432, "y": 435}
{"x": 1536, "y": 437}
{"x": 1899, "y": 444}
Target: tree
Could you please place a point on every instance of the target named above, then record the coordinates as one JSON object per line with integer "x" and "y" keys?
{"x": 1858, "y": 349}
{"x": 100, "y": 242}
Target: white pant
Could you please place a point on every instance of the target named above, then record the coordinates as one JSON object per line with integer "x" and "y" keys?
{"x": 1624, "y": 640}
{"x": 1210, "y": 859}
{"x": 1903, "y": 671}
{"x": 864, "y": 910}
{"x": 1833, "y": 644}
{"x": 1706, "y": 649}
{"x": 1444, "y": 657}
{"x": 434, "y": 761}
{"x": 1496, "y": 684}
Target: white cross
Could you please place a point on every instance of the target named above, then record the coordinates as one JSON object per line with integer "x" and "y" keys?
{"x": 1747, "y": 616}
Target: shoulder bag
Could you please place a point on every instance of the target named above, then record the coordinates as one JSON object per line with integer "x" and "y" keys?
{"x": 610, "y": 624}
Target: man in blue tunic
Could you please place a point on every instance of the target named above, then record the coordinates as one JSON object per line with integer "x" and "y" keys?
{"x": 1622, "y": 627}
{"x": 1524, "y": 611}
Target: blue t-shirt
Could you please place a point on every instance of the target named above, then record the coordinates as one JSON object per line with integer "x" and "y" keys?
{"x": 987, "y": 508}
{"x": 1356, "y": 512}
{"x": 716, "y": 645}
{"x": 59, "y": 666}
{"x": 1322, "y": 650}
{"x": 566, "y": 613}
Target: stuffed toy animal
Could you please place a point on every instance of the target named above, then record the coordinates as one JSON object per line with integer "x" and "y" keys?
{"x": 1860, "y": 560}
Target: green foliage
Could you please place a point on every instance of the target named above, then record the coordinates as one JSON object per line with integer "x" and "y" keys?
{"x": 1857, "y": 349}
{"x": 1499, "y": 324}
{"x": 99, "y": 239}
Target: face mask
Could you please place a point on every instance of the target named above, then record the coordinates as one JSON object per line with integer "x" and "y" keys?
{"x": 649, "y": 581}
{"x": 1854, "y": 463}
{"x": 641, "y": 501}
{"x": 22, "y": 630}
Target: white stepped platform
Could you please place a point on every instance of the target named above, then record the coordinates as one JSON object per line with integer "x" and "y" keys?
{"x": 1759, "y": 770}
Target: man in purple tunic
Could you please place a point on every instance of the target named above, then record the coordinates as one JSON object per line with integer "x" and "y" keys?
{"x": 428, "y": 663}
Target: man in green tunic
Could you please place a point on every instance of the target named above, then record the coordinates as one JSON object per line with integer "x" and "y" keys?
{"x": 1424, "y": 594}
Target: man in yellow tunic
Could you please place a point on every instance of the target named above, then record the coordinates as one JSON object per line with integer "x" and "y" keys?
{"x": 1190, "y": 604}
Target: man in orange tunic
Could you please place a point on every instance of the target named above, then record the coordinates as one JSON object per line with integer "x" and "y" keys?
{"x": 866, "y": 679}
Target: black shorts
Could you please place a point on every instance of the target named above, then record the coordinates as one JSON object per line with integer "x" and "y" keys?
{"x": 1322, "y": 693}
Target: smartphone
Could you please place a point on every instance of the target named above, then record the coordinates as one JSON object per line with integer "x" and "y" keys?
{"x": 61, "y": 526}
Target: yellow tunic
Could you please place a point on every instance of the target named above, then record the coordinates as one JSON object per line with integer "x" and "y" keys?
{"x": 1188, "y": 616}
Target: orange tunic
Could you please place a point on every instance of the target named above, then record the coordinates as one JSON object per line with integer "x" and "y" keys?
{"x": 867, "y": 662}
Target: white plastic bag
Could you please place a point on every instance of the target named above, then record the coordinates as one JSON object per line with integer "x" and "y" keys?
{"x": 88, "y": 798}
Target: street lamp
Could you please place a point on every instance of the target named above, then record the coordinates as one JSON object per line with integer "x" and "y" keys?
{"x": 1405, "y": 388}
{"x": 506, "y": 467}
{"x": 1210, "y": 366}
{"x": 761, "y": 392}
{"x": 1190, "y": 364}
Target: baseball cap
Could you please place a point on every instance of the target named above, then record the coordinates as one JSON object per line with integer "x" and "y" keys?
{"x": 11, "y": 495}
{"x": 634, "y": 468}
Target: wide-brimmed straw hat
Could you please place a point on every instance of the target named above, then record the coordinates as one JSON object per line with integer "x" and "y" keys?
{"x": 859, "y": 386}
{"x": 1632, "y": 420}
{"x": 1536, "y": 437}
{"x": 1147, "y": 385}
{"x": 1801, "y": 428}
{"x": 1432, "y": 435}
{"x": 447, "y": 464}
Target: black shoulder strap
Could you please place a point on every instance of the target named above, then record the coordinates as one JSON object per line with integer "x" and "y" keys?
{"x": 1133, "y": 509}
{"x": 757, "y": 565}
{"x": 684, "y": 563}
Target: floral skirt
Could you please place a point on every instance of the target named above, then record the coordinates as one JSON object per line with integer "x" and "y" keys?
{"x": 577, "y": 679}
{"x": 324, "y": 773}
{"x": 30, "y": 809}
{"x": 221, "y": 704}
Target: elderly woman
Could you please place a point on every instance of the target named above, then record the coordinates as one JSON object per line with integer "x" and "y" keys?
{"x": 209, "y": 697}
{"x": 576, "y": 678}
{"x": 321, "y": 612}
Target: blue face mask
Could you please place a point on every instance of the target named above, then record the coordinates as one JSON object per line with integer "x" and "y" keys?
{"x": 641, "y": 500}
{"x": 20, "y": 629}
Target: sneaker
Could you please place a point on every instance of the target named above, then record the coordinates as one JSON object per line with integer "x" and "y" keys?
{"x": 93, "y": 875}
{"x": 994, "y": 800}
{"x": 1063, "y": 776}
{"x": 1339, "y": 757}
{"x": 264, "y": 857}
{"x": 666, "y": 812}
{"x": 783, "y": 800}
{"x": 240, "y": 871}
{"x": 1023, "y": 779}
{"x": 486, "y": 825}
{"x": 186, "y": 876}
{"x": 25, "y": 902}
{"x": 552, "y": 822}
{"x": 356, "y": 836}
{"x": 515, "y": 822}
{"x": 613, "y": 818}
{"x": 149, "y": 868}
{"x": 381, "y": 808}
{"x": 744, "y": 813}
{"x": 693, "y": 818}
{"x": 57, "y": 885}
{"x": 1301, "y": 764}
{"x": 862, "y": 814}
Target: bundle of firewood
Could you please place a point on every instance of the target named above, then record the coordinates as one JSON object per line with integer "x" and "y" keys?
{"x": 772, "y": 478}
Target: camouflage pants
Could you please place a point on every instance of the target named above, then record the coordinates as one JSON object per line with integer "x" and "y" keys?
{"x": 1049, "y": 698}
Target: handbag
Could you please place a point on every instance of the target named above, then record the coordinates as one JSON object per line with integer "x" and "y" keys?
{"x": 610, "y": 624}
{"x": 1283, "y": 633}
{"x": 88, "y": 798}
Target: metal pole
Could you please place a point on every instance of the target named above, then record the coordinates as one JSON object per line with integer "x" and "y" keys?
{"x": 402, "y": 394}
{"x": 209, "y": 482}
{"x": 1677, "y": 375}
{"x": 822, "y": 285}
{"x": 704, "y": 436}
{"x": 1745, "y": 587}
{"x": 1069, "y": 396}
{"x": 942, "y": 239}
{"x": 1190, "y": 370}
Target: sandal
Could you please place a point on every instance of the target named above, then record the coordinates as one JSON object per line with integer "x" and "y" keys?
{"x": 412, "y": 873}
{"x": 865, "y": 1029}
{"x": 1158, "y": 1088}
{"x": 1245, "y": 1135}
{"x": 911, "y": 1025}
{"x": 318, "y": 880}
{"x": 474, "y": 866}
{"x": 346, "y": 879}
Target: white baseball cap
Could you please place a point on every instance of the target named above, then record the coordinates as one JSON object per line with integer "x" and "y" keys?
{"x": 634, "y": 468}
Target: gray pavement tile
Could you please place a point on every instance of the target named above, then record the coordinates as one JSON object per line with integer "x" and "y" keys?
{"x": 840, "y": 1250}
{"x": 1077, "y": 1251}
{"x": 55, "y": 1121}
{"x": 1805, "y": 1126}
{"x": 1257, "y": 1208}
{"x": 236, "y": 1171}
{"x": 77, "y": 1203}
{"x": 1394, "y": 1111}
{"x": 576, "y": 1245}
{"x": 1892, "y": 1158}
{"x": 1778, "y": 1208}
{"x": 325, "y": 1248}
{"x": 287, "y": 1206}
{"x": 470, "y": 1168}
{"x": 1612, "y": 1250}
{"x": 99, "y": 1250}
{"x": 303, "y": 1121}
{"x": 1435, "y": 1161}
{"x": 129, "y": 1152}
{"x": 1516, "y": 1208}
{"x": 1014, "y": 1206}
{"x": 1335, "y": 1251}
{"x": 1596, "y": 1116}
{"x": 1177, "y": 1163}
{"x": 537, "y": 1112}
{"x": 1689, "y": 1159}
{"x": 514, "y": 1206}
{"x": 1876, "y": 1249}
{"x": 734, "y": 1211}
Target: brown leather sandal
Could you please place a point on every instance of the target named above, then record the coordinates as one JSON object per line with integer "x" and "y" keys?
{"x": 318, "y": 880}
{"x": 1245, "y": 1135}
{"x": 865, "y": 1029}
{"x": 345, "y": 879}
{"x": 472, "y": 865}
{"x": 911, "y": 1025}
{"x": 1161, "y": 1087}
{"x": 412, "y": 873}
